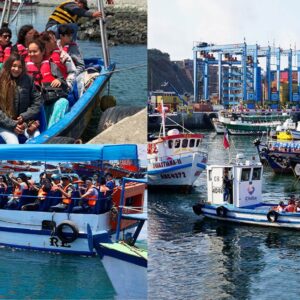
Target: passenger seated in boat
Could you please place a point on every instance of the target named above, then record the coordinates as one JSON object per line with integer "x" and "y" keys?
{"x": 66, "y": 190}
{"x": 30, "y": 180}
{"x": 291, "y": 206}
{"x": 41, "y": 71}
{"x": 297, "y": 207}
{"x": 3, "y": 184}
{"x": 88, "y": 199}
{"x": 20, "y": 101}
{"x": 25, "y": 35}
{"x": 280, "y": 207}
{"x": 20, "y": 185}
{"x": 103, "y": 187}
{"x": 75, "y": 181}
{"x": 5, "y": 44}
{"x": 110, "y": 183}
{"x": 65, "y": 44}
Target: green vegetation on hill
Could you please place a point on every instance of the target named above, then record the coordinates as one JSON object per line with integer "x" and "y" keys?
{"x": 161, "y": 69}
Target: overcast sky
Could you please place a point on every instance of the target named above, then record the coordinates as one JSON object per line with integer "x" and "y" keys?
{"x": 175, "y": 24}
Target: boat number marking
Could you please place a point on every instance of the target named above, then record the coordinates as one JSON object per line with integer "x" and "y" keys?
{"x": 173, "y": 175}
{"x": 56, "y": 242}
{"x": 217, "y": 190}
{"x": 168, "y": 163}
{"x": 216, "y": 178}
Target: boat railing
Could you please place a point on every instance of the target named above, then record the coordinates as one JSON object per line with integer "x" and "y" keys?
{"x": 178, "y": 156}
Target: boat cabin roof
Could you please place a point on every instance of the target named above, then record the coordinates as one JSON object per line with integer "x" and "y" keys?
{"x": 70, "y": 153}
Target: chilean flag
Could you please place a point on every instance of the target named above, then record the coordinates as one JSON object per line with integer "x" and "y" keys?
{"x": 226, "y": 140}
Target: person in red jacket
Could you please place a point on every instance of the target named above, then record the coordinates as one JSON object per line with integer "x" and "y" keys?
{"x": 5, "y": 44}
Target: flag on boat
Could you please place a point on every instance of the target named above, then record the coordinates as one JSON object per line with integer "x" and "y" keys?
{"x": 226, "y": 140}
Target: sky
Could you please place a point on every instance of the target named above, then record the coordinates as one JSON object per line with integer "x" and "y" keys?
{"x": 174, "y": 25}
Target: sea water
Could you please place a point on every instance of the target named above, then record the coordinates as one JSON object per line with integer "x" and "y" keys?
{"x": 195, "y": 258}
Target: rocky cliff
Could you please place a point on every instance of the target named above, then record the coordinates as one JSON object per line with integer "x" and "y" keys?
{"x": 161, "y": 69}
{"x": 125, "y": 25}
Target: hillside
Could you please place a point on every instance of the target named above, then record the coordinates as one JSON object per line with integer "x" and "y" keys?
{"x": 161, "y": 69}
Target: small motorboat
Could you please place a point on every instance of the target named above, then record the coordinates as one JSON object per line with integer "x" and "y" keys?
{"x": 244, "y": 203}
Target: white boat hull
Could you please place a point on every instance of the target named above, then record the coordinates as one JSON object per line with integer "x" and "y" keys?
{"x": 129, "y": 280}
{"x": 23, "y": 229}
{"x": 177, "y": 171}
{"x": 218, "y": 126}
{"x": 254, "y": 217}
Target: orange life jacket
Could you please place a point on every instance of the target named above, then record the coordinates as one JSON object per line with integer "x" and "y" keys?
{"x": 64, "y": 199}
{"x": 92, "y": 199}
{"x": 17, "y": 192}
{"x": 42, "y": 193}
{"x": 42, "y": 74}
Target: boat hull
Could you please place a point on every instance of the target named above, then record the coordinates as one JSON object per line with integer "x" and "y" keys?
{"x": 22, "y": 229}
{"x": 253, "y": 216}
{"x": 127, "y": 273}
{"x": 179, "y": 171}
{"x": 76, "y": 120}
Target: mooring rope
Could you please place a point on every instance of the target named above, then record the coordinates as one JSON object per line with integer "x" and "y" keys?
{"x": 125, "y": 69}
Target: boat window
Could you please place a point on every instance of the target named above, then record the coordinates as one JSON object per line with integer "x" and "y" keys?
{"x": 245, "y": 175}
{"x": 209, "y": 175}
{"x": 256, "y": 174}
{"x": 177, "y": 143}
{"x": 185, "y": 143}
{"x": 192, "y": 143}
{"x": 198, "y": 143}
{"x": 170, "y": 143}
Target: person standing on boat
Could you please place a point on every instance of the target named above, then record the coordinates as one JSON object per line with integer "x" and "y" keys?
{"x": 227, "y": 185}
{"x": 69, "y": 12}
{"x": 5, "y": 44}
{"x": 19, "y": 99}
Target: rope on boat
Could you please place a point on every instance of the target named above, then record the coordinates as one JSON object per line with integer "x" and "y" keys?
{"x": 133, "y": 249}
{"x": 125, "y": 69}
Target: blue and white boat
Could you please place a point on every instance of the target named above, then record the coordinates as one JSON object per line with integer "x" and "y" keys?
{"x": 175, "y": 159}
{"x": 67, "y": 232}
{"x": 126, "y": 263}
{"x": 245, "y": 204}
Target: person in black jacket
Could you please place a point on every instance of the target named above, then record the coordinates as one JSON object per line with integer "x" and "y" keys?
{"x": 20, "y": 102}
{"x": 69, "y": 12}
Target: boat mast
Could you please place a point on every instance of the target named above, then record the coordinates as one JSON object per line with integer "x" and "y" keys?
{"x": 6, "y": 13}
{"x": 103, "y": 32}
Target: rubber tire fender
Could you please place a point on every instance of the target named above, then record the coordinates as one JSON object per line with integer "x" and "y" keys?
{"x": 69, "y": 237}
{"x": 197, "y": 208}
{"x": 221, "y": 211}
{"x": 272, "y": 216}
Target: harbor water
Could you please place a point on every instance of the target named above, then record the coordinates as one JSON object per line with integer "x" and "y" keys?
{"x": 196, "y": 258}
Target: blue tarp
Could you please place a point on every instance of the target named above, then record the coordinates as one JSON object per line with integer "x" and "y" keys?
{"x": 70, "y": 153}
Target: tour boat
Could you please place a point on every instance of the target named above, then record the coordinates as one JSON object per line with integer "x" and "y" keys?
{"x": 278, "y": 154}
{"x": 175, "y": 159}
{"x": 67, "y": 232}
{"x": 126, "y": 263}
{"x": 245, "y": 204}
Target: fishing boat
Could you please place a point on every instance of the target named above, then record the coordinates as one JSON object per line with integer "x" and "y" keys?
{"x": 278, "y": 154}
{"x": 125, "y": 262}
{"x": 71, "y": 127}
{"x": 68, "y": 232}
{"x": 175, "y": 159}
{"x": 251, "y": 123}
{"x": 245, "y": 204}
{"x": 283, "y": 132}
{"x": 218, "y": 126}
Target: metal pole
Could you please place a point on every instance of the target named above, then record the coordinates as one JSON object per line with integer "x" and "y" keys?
{"x": 3, "y": 13}
{"x": 103, "y": 33}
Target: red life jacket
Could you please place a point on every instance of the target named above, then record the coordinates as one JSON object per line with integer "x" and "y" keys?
{"x": 21, "y": 51}
{"x": 55, "y": 57}
{"x": 66, "y": 48}
{"x": 41, "y": 75}
{"x": 4, "y": 53}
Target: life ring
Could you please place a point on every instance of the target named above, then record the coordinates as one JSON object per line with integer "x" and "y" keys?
{"x": 198, "y": 209}
{"x": 272, "y": 216}
{"x": 221, "y": 211}
{"x": 67, "y": 237}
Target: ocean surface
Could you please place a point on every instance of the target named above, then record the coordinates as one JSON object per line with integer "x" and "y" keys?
{"x": 195, "y": 258}
{"x": 35, "y": 275}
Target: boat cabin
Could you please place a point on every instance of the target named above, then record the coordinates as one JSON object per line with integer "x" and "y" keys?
{"x": 239, "y": 184}
{"x": 176, "y": 143}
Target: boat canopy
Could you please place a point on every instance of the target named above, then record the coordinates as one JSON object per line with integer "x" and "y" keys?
{"x": 67, "y": 152}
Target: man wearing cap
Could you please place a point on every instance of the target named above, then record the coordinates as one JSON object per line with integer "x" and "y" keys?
{"x": 68, "y": 12}
{"x": 66, "y": 190}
